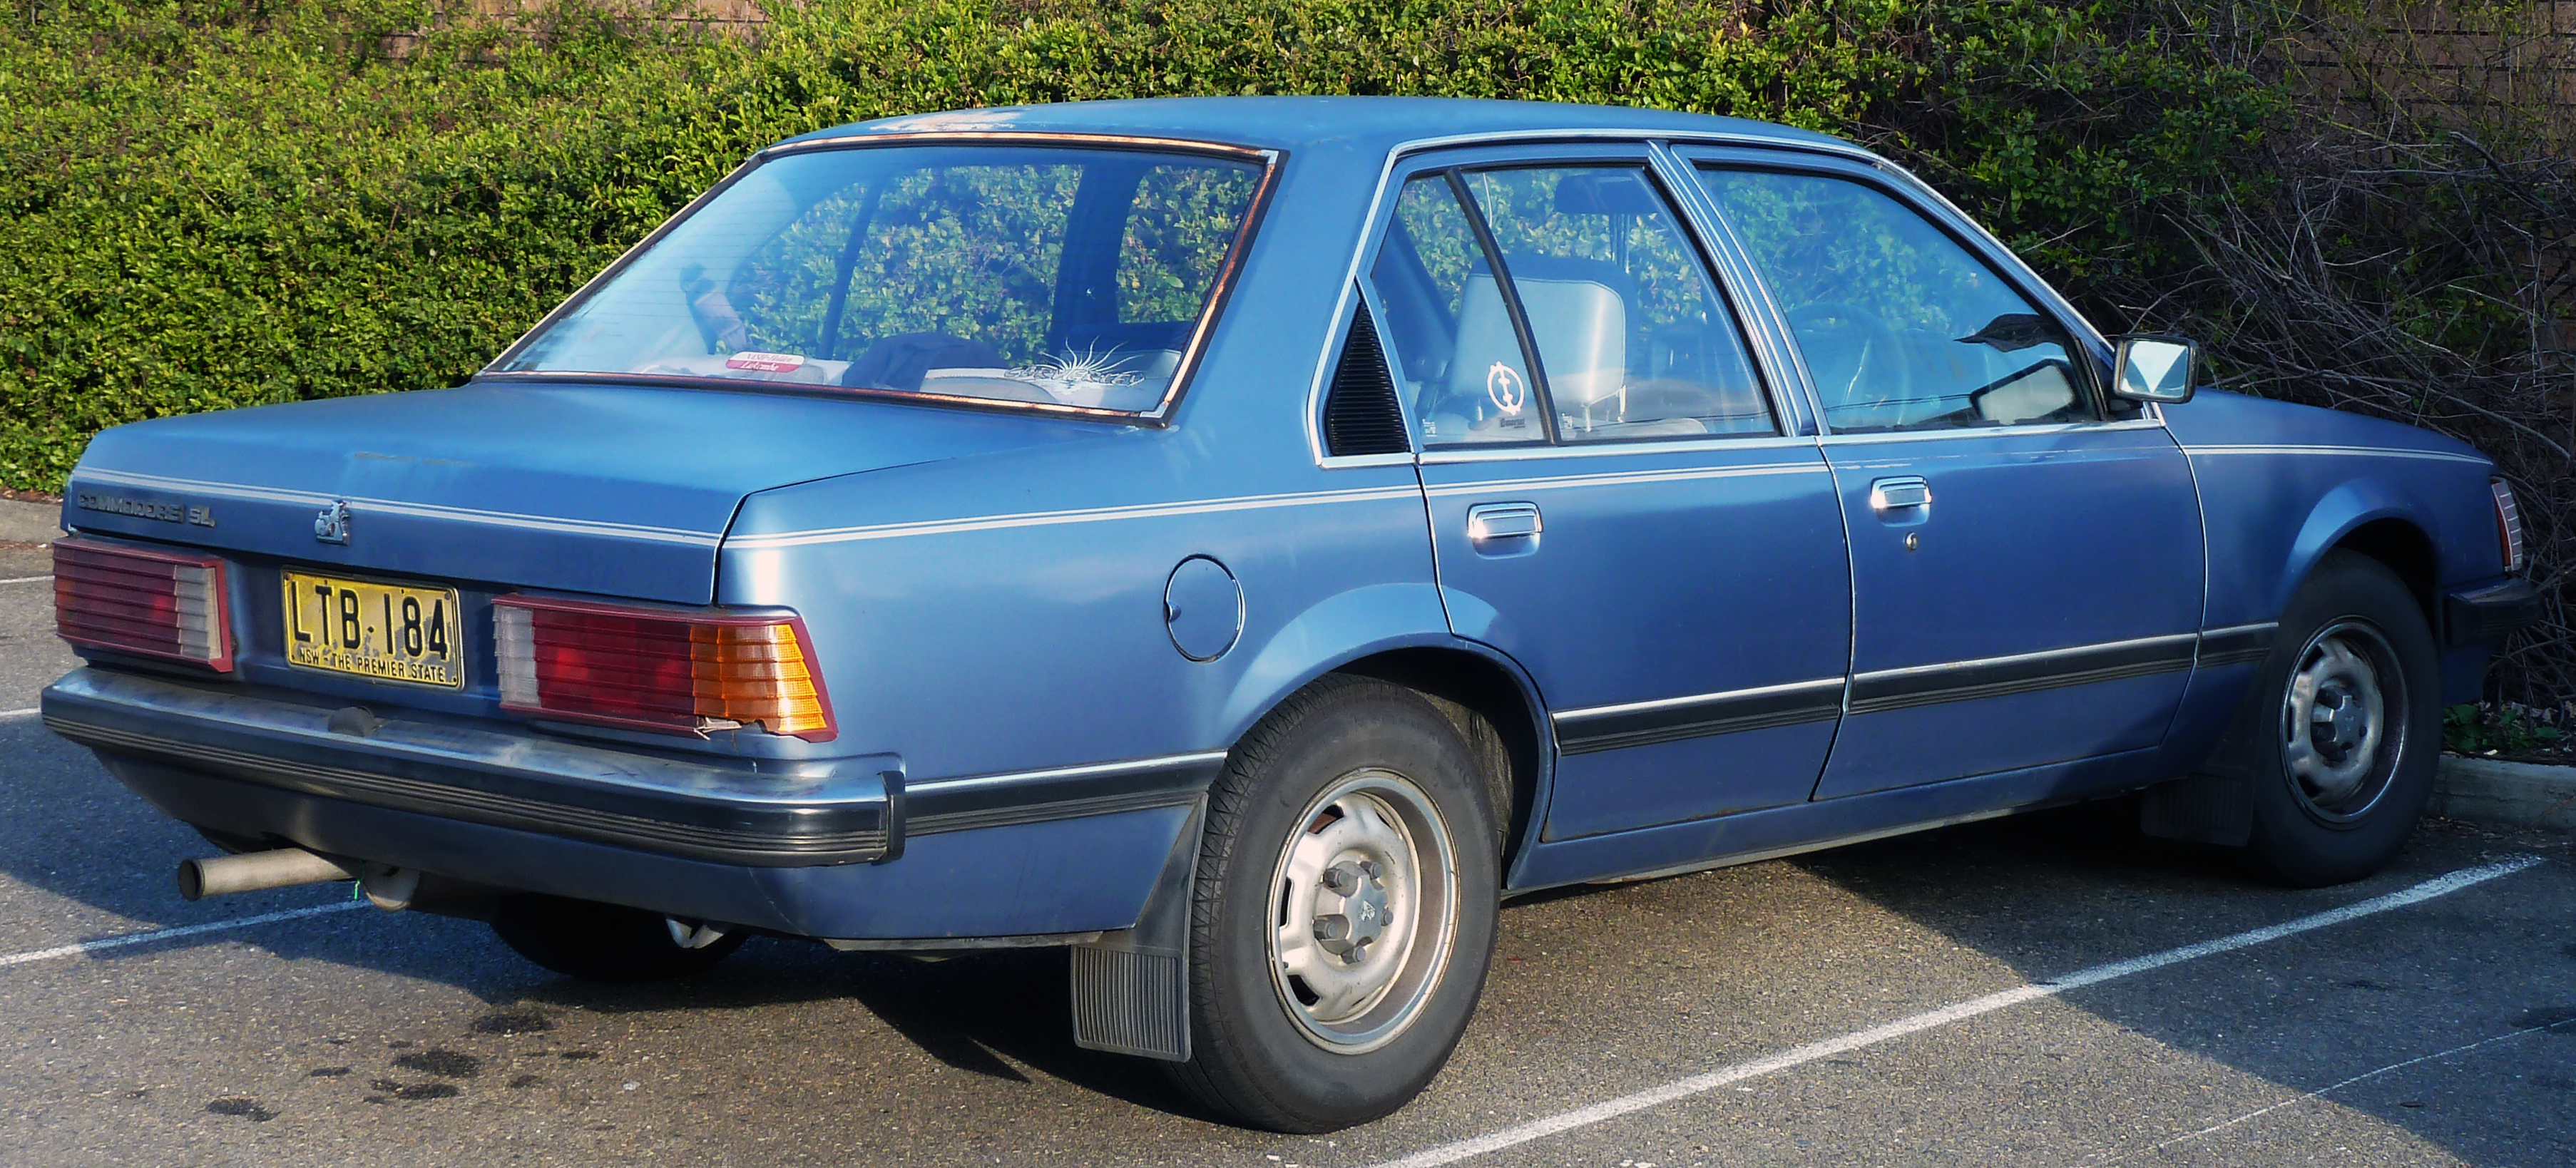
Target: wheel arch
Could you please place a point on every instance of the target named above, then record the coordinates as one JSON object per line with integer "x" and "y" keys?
{"x": 2373, "y": 519}
{"x": 1477, "y": 680}
{"x": 1400, "y": 634}
{"x": 2404, "y": 549}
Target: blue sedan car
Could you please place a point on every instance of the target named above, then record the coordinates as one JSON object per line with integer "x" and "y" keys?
{"x": 1239, "y": 541}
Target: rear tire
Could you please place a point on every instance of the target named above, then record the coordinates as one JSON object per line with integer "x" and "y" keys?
{"x": 2341, "y": 731}
{"x": 1344, "y": 910}
{"x": 601, "y": 942}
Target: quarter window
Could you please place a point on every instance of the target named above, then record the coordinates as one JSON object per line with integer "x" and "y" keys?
{"x": 1901, "y": 327}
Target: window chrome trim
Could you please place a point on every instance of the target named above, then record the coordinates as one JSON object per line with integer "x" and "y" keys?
{"x": 1378, "y": 211}
{"x": 1220, "y": 289}
{"x": 2340, "y": 451}
{"x": 1673, "y": 474}
{"x": 1990, "y": 431}
{"x": 1466, "y": 454}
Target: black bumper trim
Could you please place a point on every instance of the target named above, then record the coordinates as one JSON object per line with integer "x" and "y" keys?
{"x": 2487, "y": 615}
{"x": 971, "y": 802}
{"x": 697, "y": 811}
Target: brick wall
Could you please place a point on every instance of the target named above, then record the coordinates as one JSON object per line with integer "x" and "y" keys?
{"x": 2450, "y": 64}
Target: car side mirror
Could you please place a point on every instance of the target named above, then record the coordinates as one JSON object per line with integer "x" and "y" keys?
{"x": 2153, "y": 368}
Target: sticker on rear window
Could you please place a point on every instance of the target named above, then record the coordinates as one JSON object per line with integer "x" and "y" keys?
{"x": 766, "y": 362}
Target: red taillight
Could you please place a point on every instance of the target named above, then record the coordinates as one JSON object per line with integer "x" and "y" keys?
{"x": 136, "y": 600}
{"x": 658, "y": 669}
{"x": 2508, "y": 525}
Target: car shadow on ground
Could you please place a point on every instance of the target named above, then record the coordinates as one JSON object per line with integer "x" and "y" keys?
{"x": 84, "y": 838}
{"x": 987, "y": 1014}
{"x": 2053, "y": 892}
{"x": 2043, "y": 894}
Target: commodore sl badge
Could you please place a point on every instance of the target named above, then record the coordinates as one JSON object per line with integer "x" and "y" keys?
{"x": 332, "y": 525}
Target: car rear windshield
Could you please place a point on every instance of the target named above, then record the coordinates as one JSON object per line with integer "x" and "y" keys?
{"x": 1047, "y": 275}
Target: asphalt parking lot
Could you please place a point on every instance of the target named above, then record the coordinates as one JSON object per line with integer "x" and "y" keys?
{"x": 1904, "y": 1002}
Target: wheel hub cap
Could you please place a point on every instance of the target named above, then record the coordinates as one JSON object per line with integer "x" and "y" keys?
{"x": 1365, "y": 910}
{"x": 2335, "y": 719}
{"x": 1352, "y": 912}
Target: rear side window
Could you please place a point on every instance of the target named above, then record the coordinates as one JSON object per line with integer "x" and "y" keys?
{"x": 1045, "y": 275}
{"x": 1530, "y": 303}
{"x": 1901, "y": 328}
{"x": 1461, "y": 369}
{"x": 1632, "y": 338}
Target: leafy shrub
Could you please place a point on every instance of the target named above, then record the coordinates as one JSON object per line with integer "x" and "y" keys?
{"x": 215, "y": 203}
{"x": 2484, "y": 728}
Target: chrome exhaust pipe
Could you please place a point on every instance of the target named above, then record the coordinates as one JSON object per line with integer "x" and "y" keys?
{"x": 252, "y": 871}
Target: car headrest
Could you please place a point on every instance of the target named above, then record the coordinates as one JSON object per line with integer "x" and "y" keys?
{"x": 1618, "y": 192}
{"x": 1577, "y": 315}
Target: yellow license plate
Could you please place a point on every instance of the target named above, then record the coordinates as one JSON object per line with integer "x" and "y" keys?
{"x": 390, "y": 632}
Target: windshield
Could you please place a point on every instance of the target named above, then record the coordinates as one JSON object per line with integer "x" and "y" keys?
{"x": 1050, "y": 275}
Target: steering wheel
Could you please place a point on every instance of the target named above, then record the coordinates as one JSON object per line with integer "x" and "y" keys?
{"x": 1891, "y": 383}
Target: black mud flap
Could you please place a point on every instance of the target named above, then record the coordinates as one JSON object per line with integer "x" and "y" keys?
{"x": 2209, "y": 807}
{"x": 1131, "y": 988}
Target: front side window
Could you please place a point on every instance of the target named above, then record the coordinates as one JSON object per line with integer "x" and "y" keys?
{"x": 1900, "y": 326}
{"x": 1038, "y": 274}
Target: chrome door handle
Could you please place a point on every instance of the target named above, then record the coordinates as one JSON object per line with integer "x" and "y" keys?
{"x": 1488, "y": 522}
{"x": 1898, "y": 494}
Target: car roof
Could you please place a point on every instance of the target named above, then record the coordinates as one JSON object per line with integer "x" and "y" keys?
{"x": 1369, "y": 124}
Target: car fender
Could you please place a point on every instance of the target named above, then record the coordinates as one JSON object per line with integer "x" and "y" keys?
{"x": 2338, "y": 513}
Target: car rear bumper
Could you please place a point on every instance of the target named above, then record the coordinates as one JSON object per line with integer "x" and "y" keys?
{"x": 2487, "y": 614}
{"x": 720, "y": 810}
{"x": 716, "y": 840}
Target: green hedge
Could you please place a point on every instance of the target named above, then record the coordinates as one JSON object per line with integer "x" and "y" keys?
{"x": 206, "y": 205}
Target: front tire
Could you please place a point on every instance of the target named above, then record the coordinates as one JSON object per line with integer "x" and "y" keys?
{"x": 1344, "y": 912}
{"x": 2341, "y": 732}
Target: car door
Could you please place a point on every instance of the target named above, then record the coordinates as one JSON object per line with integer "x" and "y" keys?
{"x": 1614, "y": 499}
{"x": 2026, "y": 562}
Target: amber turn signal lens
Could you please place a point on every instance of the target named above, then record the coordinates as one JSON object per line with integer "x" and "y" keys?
{"x": 655, "y": 669}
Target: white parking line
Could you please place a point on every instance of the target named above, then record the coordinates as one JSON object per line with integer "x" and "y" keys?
{"x": 181, "y": 931}
{"x": 26, "y": 580}
{"x": 29, "y": 712}
{"x": 1609, "y": 1109}
{"x": 2321, "y": 1092}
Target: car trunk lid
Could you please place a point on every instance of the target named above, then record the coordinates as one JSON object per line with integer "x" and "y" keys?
{"x": 606, "y": 489}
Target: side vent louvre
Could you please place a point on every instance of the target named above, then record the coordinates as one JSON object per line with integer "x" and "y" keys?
{"x": 1361, "y": 415}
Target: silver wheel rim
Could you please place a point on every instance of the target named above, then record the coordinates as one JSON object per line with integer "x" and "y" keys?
{"x": 1364, "y": 911}
{"x": 2338, "y": 740}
